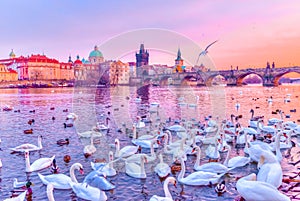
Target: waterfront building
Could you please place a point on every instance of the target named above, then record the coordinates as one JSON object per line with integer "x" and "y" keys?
{"x": 7, "y": 74}
{"x": 142, "y": 58}
{"x": 119, "y": 73}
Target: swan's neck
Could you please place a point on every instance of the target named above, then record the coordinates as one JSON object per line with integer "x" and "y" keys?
{"x": 117, "y": 149}
{"x": 152, "y": 148}
{"x": 166, "y": 189}
{"x": 161, "y": 160}
{"x": 198, "y": 156}
{"x": 27, "y": 161}
{"x": 134, "y": 133}
{"x": 227, "y": 158}
{"x": 40, "y": 142}
{"x": 72, "y": 174}
{"x": 246, "y": 141}
{"x": 182, "y": 172}
{"x": 277, "y": 144}
{"x": 170, "y": 137}
{"x": 111, "y": 158}
{"x": 166, "y": 142}
{"x": 50, "y": 194}
{"x": 92, "y": 139}
{"x": 289, "y": 138}
{"x": 142, "y": 165}
{"x": 259, "y": 125}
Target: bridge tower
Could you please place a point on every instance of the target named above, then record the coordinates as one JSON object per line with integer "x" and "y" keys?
{"x": 142, "y": 58}
{"x": 179, "y": 67}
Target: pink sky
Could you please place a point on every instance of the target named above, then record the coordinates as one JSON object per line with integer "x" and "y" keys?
{"x": 249, "y": 33}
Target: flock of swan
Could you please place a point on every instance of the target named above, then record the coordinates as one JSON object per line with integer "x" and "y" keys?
{"x": 178, "y": 143}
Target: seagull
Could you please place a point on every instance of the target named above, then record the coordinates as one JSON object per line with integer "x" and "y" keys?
{"x": 204, "y": 52}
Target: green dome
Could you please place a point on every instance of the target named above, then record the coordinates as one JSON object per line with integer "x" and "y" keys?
{"x": 96, "y": 53}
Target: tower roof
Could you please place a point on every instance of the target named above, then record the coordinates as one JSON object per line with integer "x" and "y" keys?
{"x": 178, "y": 55}
{"x": 96, "y": 52}
{"x": 12, "y": 54}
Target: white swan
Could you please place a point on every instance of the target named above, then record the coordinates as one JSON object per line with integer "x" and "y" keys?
{"x": 17, "y": 184}
{"x": 212, "y": 151}
{"x": 28, "y": 147}
{"x": 213, "y": 167}
{"x": 270, "y": 170}
{"x": 125, "y": 151}
{"x": 144, "y": 141}
{"x": 88, "y": 192}
{"x": 88, "y": 150}
{"x": 135, "y": 170}
{"x": 50, "y": 192}
{"x": 107, "y": 168}
{"x": 197, "y": 178}
{"x": 88, "y": 134}
{"x": 168, "y": 196}
{"x": 136, "y": 157}
{"x": 237, "y": 161}
{"x": 98, "y": 180}
{"x": 265, "y": 129}
{"x": 252, "y": 190}
{"x": 162, "y": 168}
{"x": 140, "y": 123}
{"x": 38, "y": 164}
{"x": 20, "y": 197}
{"x": 62, "y": 181}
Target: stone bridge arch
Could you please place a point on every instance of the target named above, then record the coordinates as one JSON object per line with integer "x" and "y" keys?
{"x": 278, "y": 76}
{"x": 208, "y": 81}
{"x": 240, "y": 78}
{"x": 164, "y": 81}
{"x": 190, "y": 80}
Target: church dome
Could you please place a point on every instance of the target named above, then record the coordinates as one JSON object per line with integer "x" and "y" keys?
{"x": 77, "y": 61}
{"x": 96, "y": 53}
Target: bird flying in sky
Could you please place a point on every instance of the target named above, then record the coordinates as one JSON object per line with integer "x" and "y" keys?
{"x": 204, "y": 52}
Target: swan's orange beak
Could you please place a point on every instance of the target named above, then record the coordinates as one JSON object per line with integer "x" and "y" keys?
{"x": 285, "y": 135}
{"x": 193, "y": 150}
{"x": 81, "y": 171}
{"x": 175, "y": 184}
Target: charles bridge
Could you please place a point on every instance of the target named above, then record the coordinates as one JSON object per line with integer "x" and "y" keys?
{"x": 269, "y": 75}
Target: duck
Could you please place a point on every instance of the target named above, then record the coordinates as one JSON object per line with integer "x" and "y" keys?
{"x": 62, "y": 181}
{"x": 49, "y": 191}
{"x": 98, "y": 180}
{"x": 136, "y": 171}
{"x": 162, "y": 168}
{"x": 213, "y": 167}
{"x": 38, "y": 164}
{"x": 252, "y": 190}
{"x": 28, "y": 131}
{"x": 67, "y": 158}
{"x": 28, "y": 147}
{"x": 63, "y": 141}
{"x": 168, "y": 196}
{"x": 106, "y": 168}
{"x": 270, "y": 170}
{"x": 87, "y": 192}
{"x": 68, "y": 125}
{"x": 220, "y": 188}
{"x": 30, "y": 121}
{"x": 125, "y": 151}
{"x": 88, "y": 150}
{"x": 198, "y": 178}
{"x": 20, "y": 197}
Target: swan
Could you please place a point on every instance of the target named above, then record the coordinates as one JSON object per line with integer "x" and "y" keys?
{"x": 168, "y": 196}
{"x": 213, "y": 167}
{"x": 212, "y": 151}
{"x": 72, "y": 116}
{"x": 136, "y": 157}
{"x": 106, "y": 168}
{"x": 273, "y": 121}
{"x": 270, "y": 170}
{"x": 162, "y": 168}
{"x": 20, "y": 197}
{"x": 17, "y": 184}
{"x": 140, "y": 123}
{"x": 125, "y": 151}
{"x": 28, "y": 147}
{"x": 135, "y": 170}
{"x": 88, "y": 192}
{"x": 143, "y": 141}
{"x": 98, "y": 180}
{"x": 62, "y": 181}
{"x": 50, "y": 192}
{"x": 252, "y": 190}
{"x": 88, "y": 150}
{"x": 88, "y": 134}
{"x": 237, "y": 161}
{"x": 265, "y": 129}
{"x": 38, "y": 164}
{"x": 197, "y": 178}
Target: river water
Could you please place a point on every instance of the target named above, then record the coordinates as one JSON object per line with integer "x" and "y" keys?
{"x": 120, "y": 106}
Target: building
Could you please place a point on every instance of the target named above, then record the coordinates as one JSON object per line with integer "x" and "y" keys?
{"x": 142, "y": 58}
{"x": 38, "y": 67}
{"x": 7, "y": 74}
{"x": 179, "y": 67}
{"x": 119, "y": 73}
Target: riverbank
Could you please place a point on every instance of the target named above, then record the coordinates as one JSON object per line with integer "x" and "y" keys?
{"x": 35, "y": 84}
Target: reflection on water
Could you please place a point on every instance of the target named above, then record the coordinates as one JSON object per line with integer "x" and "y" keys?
{"x": 120, "y": 105}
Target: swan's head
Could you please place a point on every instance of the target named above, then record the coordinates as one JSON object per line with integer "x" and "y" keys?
{"x": 26, "y": 154}
{"x": 195, "y": 149}
{"x": 173, "y": 181}
{"x": 117, "y": 142}
{"x": 79, "y": 167}
{"x": 111, "y": 155}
